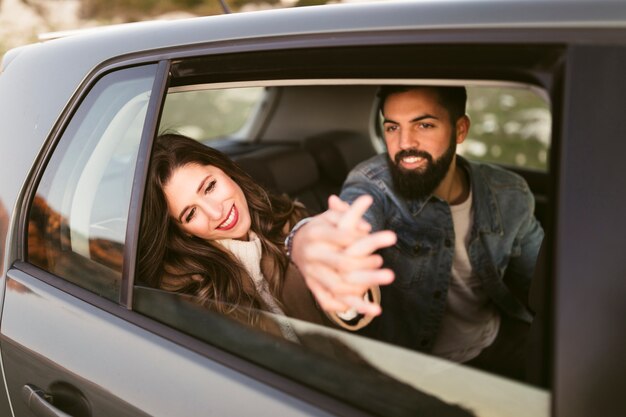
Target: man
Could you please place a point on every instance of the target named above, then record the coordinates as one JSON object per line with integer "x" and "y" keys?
{"x": 467, "y": 239}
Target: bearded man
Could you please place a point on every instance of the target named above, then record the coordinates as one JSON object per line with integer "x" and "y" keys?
{"x": 467, "y": 238}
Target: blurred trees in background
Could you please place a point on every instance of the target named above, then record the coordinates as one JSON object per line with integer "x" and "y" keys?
{"x": 133, "y": 10}
{"x": 23, "y": 21}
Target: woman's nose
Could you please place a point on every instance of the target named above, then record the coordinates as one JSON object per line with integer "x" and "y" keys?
{"x": 212, "y": 208}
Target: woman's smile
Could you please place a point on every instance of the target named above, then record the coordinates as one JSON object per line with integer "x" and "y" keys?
{"x": 231, "y": 220}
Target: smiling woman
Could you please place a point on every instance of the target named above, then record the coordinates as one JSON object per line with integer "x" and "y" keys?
{"x": 207, "y": 203}
{"x": 217, "y": 235}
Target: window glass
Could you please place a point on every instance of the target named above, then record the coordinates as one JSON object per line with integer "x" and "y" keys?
{"x": 510, "y": 126}
{"x": 210, "y": 114}
{"x": 77, "y": 220}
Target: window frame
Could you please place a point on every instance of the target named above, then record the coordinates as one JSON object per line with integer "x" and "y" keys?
{"x": 541, "y": 81}
{"x": 50, "y": 148}
{"x": 153, "y": 115}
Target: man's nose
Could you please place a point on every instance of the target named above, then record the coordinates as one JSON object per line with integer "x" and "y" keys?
{"x": 407, "y": 140}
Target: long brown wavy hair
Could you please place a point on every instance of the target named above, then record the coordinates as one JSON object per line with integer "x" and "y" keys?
{"x": 172, "y": 260}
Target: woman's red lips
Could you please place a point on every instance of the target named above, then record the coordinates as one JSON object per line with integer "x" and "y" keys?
{"x": 231, "y": 220}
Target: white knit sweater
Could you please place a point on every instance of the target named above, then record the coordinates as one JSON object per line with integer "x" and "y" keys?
{"x": 249, "y": 253}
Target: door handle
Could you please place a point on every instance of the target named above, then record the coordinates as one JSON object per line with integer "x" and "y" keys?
{"x": 39, "y": 402}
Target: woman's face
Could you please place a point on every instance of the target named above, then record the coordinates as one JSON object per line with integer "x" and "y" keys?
{"x": 207, "y": 203}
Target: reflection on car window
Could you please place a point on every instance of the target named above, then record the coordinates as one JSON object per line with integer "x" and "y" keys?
{"x": 78, "y": 216}
{"x": 331, "y": 361}
{"x": 210, "y": 114}
{"x": 510, "y": 126}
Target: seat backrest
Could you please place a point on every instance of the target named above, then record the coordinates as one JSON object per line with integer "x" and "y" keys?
{"x": 336, "y": 153}
{"x": 285, "y": 169}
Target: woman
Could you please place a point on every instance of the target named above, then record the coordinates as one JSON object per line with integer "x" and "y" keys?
{"x": 210, "y": 231}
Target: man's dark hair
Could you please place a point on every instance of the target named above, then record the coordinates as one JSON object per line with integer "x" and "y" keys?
{"x": 453, "y": 99}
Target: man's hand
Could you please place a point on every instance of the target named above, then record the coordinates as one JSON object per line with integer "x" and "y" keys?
{"x": 335, "y": 253}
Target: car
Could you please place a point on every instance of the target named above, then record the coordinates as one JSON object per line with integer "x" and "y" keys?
{"x": 290, "y": 95}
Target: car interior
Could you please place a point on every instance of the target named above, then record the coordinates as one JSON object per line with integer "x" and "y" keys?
{"x": 310, "y": 160}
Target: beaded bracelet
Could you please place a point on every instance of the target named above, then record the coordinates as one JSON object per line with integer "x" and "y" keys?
{"x": 292, "y": 233}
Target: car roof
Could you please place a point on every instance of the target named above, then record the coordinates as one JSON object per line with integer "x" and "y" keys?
{"x": 369, "y": 16}
{"x": 87, "y": 48}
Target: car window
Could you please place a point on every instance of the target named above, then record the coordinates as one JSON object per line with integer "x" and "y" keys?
{"x": 77, "y": 221}
{"x": 387, "y": 373}
{"x": 210, "y": 114}
{"x": 510, "y": 126}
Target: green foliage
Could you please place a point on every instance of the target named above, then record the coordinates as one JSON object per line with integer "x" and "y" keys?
{"x": 510, "y": 126}
{"x": 210, "y": 114}
{"x": 132, "y": 10}
{"x": 238, "y": 4}
{"x": 302, "y": 3}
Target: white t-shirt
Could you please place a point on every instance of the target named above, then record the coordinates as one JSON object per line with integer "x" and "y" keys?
{"x": 471, "y": 321}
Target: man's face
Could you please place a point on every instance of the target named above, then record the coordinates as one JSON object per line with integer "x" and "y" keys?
{"x": 421, "y": 141}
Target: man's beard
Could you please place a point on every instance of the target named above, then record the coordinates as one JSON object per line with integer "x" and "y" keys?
{"x": 413, "y": 184}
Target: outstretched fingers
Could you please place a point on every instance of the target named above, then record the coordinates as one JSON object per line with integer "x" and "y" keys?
{"x": 352, "y": 219}
{"x": 371, "y": 243}
{"x": 335, "y": 252}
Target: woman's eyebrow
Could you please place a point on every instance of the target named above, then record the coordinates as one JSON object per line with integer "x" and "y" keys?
{"x": 201, "y": 186}
{"x": 180, "y": 216}
{"x": 182, "y": 213}
{"x": 198, "y": 190}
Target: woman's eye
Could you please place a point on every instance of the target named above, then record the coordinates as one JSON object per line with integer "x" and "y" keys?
{"x": 210, "y": 186}
{"x": 190, "y": 215}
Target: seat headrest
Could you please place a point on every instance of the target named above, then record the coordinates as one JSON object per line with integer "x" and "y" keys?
{"x": 281, "y": 168}
{"x": 337, "y": 152}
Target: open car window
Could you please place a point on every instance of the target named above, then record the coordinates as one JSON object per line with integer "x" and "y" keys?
{"x": 281, "y": 157}
{"x": 510, "y": 126}
{"x": 213, "y": 114}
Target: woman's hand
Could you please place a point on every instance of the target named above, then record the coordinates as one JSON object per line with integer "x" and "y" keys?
{"x": 335, "y": 253}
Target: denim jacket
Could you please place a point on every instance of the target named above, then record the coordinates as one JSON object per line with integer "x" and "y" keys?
{"x": 503, "y": 247}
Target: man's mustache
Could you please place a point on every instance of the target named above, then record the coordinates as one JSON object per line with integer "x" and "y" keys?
{"x": 412, "y": 152}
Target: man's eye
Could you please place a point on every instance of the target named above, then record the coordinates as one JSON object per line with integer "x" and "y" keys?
{"x": 391, "y": 128}
{"x": 426, "y": 125}
{"x": 190, "y": 215}
{"x": 210, "y": 187}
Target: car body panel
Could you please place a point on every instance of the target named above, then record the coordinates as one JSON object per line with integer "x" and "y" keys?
{"x": 591, "y": 236}
{"x": 114, "y": 376}
{"x": 41, "y": 85}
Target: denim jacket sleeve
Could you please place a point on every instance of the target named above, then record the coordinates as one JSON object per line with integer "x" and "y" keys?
{"x": 360, "y": 181}
{"x": 521, "y": 267}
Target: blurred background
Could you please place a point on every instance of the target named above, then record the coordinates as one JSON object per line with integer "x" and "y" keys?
{"x": 22, "y": 21}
